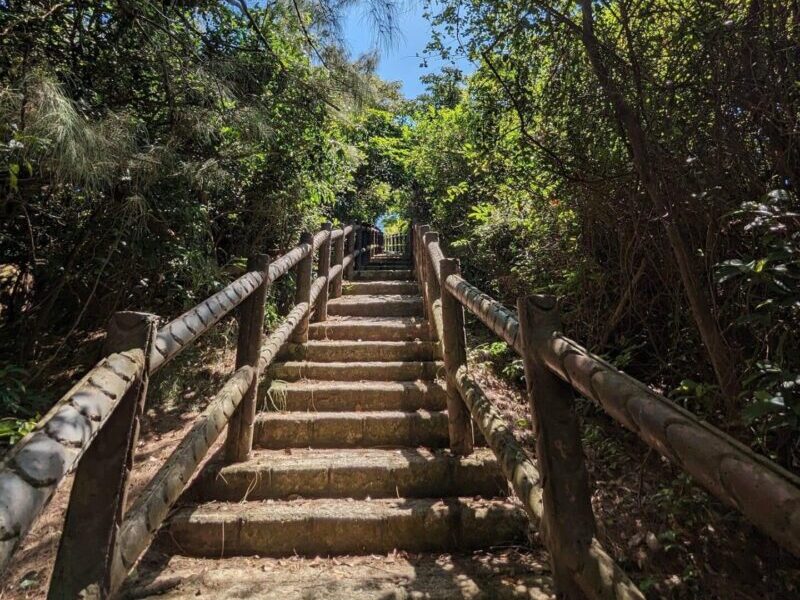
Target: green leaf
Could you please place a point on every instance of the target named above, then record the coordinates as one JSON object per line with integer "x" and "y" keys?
{"x": 13, "y": 171}
{"x": 766, "y": 403}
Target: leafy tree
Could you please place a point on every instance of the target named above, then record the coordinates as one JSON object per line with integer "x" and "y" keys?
{"x": 603, "y": 152}
{"x": 147, "y": 148}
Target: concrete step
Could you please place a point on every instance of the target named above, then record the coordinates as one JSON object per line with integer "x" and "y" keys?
{"x": 383, "y": 275}
{"x": 355, "y": 396}
{"x": 500, "y": 575}
{"x": 370, "y": 328}
{"x": 357, "y": 371}
{"x": 390, "y": 258}
{"x": 388, "y": 265}
{"x": 344, "y": 526}
{"x": 346, "y": 350}
{"x": 355, "y": 288}
{"x": 376, "y": 305}
{"x": 358, "y": 473}
{"x": 367, "y": 429}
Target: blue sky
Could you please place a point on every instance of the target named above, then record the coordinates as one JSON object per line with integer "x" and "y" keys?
{"x": 401, "y": 60}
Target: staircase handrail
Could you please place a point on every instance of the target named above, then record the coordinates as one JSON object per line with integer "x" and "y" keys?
{"x": 764, "y": 492}
{"x": 93, "y": 428}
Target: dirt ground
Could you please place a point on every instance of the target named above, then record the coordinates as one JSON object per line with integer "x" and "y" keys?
{"x": 176, "y": 396}
{"x": 671, "y": 537}
{"x": 504, "y": 574}
{"x": 30, "y": 570}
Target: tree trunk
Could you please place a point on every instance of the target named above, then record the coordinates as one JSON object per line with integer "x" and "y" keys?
{"x": 718, "y": 350}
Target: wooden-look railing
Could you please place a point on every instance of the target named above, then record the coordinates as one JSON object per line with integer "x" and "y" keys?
{"x": 93, "y": 429}
{"x": 555, "y": 488}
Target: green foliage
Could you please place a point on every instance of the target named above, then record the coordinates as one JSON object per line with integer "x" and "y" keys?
{"x": 12, "y": 388}
{"x": 526, "y": 171}
{"x": 776, "y": 394}
{"x": 182, "y": 137}
{"x": 763, "y": 281}
{"x": 696, "y": 395}
{"x": 503, "y": 360}
{"x": 376, "y": 141}
{"x": 393, "y": 223}
{"x": 13, "y": 430}
{"x": 15, "y": 399}
{"x": 148, "y": 148}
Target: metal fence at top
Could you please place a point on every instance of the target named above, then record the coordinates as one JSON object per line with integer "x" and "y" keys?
{"x": 396, "y": 243}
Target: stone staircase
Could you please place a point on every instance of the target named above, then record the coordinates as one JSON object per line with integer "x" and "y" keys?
{"x": 351, "y": 460}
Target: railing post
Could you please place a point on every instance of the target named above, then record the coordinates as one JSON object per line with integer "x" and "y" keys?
{"x": 430, "y": 290}
{"x": 351, "y": 247}
{"x": 360, "y": 245}
{"x": 423, "y": 269}
{"x": 98, "y": 498}
{"x": 321, "y": 309}
{"x": 239, "y": 441}
{"x": 362, "y": 237}
{"x": 432, "y": 293}
{"x": 417, "y": 254}
{"x": 368, "y": 244}
{"x": 338, "y": 259}
{"x": 454, "y": 345}
{"x": 568, "y": 525}
{"x": 412, "y": 246}
{"x": 302, "y": 291}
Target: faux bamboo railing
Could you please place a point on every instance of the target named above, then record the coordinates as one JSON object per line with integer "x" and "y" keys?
{"x": 93, "y": 429}
{"x": 556, "y": 492}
